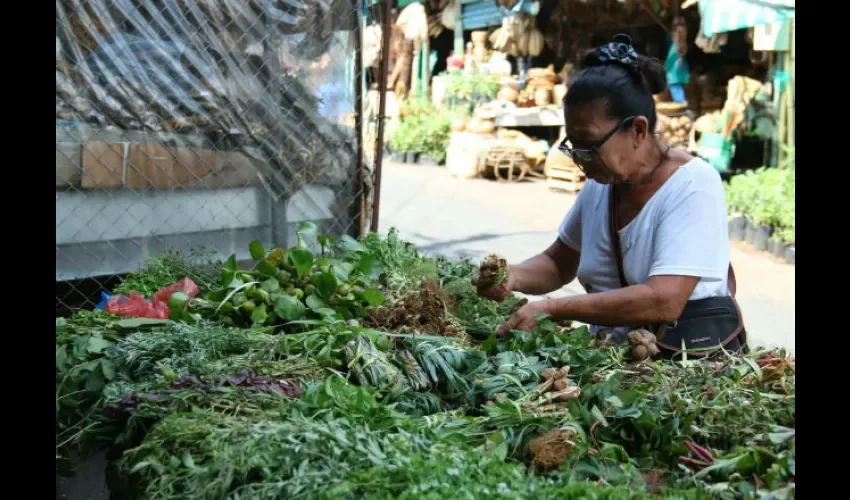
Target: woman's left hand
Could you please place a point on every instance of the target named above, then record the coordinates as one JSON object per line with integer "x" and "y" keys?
{"x": 524, "y": 319}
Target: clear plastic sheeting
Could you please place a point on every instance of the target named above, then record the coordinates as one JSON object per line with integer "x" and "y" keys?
{"x": 270, "y": 80}
{"x": 201, "y": 125}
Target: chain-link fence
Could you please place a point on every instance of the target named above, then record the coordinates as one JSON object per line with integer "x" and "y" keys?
{"x": 187, "y": 124}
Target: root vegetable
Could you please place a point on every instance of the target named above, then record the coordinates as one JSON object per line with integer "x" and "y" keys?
{"x": 562, "y": 372}
{"x": 639, "y": 353}
{"x": 493, "y": 271}
{"x": 548, "y": 373}
{"x": 569, "y": 394}
{"x": 550, "y": 450}
{"x": 561, "y": 384}
{"x": 643, "y": 344}
{"x": 700, "y": 452}
{"x": 545, "y": 386}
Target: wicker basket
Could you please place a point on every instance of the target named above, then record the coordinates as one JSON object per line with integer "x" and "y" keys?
{"x": 668, "y": 108}
{"x": 466, "y": 155}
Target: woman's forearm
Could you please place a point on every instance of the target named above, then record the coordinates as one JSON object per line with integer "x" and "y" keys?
{"x": 537, "y": 276}
{"x": 635, "y": 305}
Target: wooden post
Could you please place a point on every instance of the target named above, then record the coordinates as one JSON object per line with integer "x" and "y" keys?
{"x": 426, "y": 67}
{"x": 415, "y": 68}
{"x": 382, "y": 111}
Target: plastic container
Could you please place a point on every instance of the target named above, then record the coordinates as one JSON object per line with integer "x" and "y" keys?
{"x": 423, "y": 159}
{"x": 717, "y": 150}
{"x": 762, "y": 236}
{"x": 737, "y": 228}
{"x": 778, "y": 249}
{"x": 750, "y": 232}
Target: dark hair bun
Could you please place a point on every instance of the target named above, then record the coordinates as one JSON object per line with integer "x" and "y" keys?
{"x": 653, "y": 73}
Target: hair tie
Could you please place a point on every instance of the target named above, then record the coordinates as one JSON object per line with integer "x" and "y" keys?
{"x": 620, "y": 51}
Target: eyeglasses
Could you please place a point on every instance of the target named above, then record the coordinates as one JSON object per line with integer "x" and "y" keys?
{"x": 585, "y": 156}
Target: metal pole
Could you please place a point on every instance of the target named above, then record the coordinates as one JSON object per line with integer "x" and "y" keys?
{"x": 458, "y": 41}
{"x": 382, "y": 108}
{"x": 360, "y": 198}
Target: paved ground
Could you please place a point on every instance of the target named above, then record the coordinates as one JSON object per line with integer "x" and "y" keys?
{"x": 457, "y": 217}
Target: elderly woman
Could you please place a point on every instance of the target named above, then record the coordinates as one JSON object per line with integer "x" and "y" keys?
{"x": 647, "y": 236}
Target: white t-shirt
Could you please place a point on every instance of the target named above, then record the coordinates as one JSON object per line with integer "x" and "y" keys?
{"x": 682, "y": 230}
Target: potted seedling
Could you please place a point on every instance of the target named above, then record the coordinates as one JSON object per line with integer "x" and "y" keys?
{"x": 738, "y": 203}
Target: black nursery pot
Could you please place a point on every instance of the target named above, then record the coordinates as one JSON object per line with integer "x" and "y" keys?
{"x": 771, "y": 245}
{"x": 762, "y": 236}
{"x": 750, "y": 232}
{"x": 789, "y": 255}
{"x": 427, "y": 160}
{"x": 737, "y": 228}
{"x": 779, "y": 248}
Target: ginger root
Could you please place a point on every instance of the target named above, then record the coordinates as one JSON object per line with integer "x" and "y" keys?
{"x": 561, "y": 384}
{"x": 547, "y": 374}
{"x": 493, "y": 271}
{"x": 553, "y": 391}
{"x": 643, "y": 344}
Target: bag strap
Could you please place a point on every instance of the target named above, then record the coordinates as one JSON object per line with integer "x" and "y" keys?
{"x": 614, "y": 224}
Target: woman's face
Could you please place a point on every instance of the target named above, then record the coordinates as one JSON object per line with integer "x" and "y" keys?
{"x": 605, "y": 149}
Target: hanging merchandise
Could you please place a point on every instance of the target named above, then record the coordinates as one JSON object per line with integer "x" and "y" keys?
{"x": 518, "y": 36}
{"x": 711, "y": 45}
{"x": 448, "y": 18}
{"x": 414, "y": 21}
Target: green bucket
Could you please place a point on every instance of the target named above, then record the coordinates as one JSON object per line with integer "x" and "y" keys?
{"x": 717, "y": 150}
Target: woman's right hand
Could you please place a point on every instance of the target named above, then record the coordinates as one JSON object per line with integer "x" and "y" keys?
{"x": 497, "y": 292}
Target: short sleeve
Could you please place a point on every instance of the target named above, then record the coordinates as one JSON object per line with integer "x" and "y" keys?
{"x": 692, "y": 239}
{"x": 570, "y": 230}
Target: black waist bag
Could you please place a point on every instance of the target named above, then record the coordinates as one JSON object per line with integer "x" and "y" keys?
{"x": 704, "y": 325}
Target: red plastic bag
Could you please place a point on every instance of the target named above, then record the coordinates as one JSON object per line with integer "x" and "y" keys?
{"x": 136, "y": 306}
{"x": 185, "y": 285}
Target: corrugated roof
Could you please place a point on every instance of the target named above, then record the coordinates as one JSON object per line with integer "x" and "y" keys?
{"x": 719, "y": 16}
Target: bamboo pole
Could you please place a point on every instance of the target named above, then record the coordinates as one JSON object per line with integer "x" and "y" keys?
{"x": 382, "y": 110}
{"x": 426, "y": 67}
{"x": 416, "y": 67}
{"x": 792, "y": 67}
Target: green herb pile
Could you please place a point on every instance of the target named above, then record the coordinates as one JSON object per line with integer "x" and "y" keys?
{"x": 307, "y": 402}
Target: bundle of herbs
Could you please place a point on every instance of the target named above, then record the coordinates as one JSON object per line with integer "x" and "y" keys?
{"x": 288, "y": 285}
{"x": 480, "y": 317}
{"x": 203, "y": 266}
